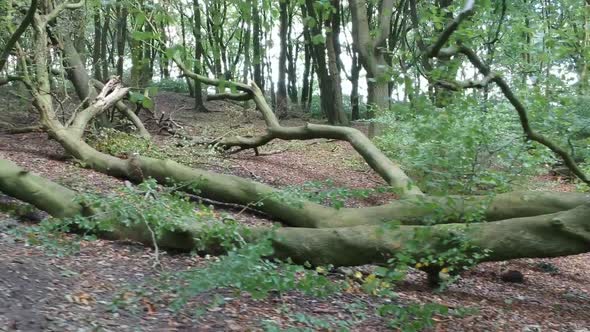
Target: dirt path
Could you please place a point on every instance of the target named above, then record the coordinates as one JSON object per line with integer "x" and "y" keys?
{"x": 40, "y": 290}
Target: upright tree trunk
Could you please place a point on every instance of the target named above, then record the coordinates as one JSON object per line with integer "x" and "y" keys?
{"x": 247, "y": 62}
{"x": 256, "y": 48}
{"x": 96, "y": 52}
{"x": 308, "y": 72}
{"x": 164, "y": 62}
{"x": 121, "y": 38}
{"x": 371, "y": 53}
{"x": 354, "y": 93}
{"x": 328, "y": 82}
{"x": 199, "y": 105}
{"x": 292, "y": 61}
{"x": 189, "y": 81}
{"x": 333, "y": 52}
{"x": 104, "y": 43}
{"x": 281, "y": 108}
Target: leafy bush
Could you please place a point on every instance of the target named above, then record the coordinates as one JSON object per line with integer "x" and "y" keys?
{"x": 171, "y": 85}
{"x": 460, "y": 149}
{"x": 118, "y": 143}
{"x": 322, "y": 192}
{"x": 567, "y": 122}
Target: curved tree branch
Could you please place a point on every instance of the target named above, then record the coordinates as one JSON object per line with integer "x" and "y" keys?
{"x": 16, "y": 35}
{"x": 233, "y": 96}
{"x": 61, "y": 7}
{"x": 389, "y": 171}
{"x": 523, "y": 115}
{"x": 436, "y": 50}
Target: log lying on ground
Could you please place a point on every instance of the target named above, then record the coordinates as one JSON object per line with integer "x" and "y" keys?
{"x": 549, "y": 235}
{"x": 237, "y": 190}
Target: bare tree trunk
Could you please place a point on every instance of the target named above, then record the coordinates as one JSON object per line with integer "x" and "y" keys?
{"x": 189, "y": 82}
{"x": 121, "y": 38}
{"x": 333, "y": 53}
{"x": 256, "y": 48}
{"x": 292, "y": 60}
{"x": 247, "y": 61}
{"x": 308, "y": 72}
{"x": 281, "y": 97}
{"x": 329, "y": 81}
{"x": 96, "y": 52}
{"x": 199, "y": 105}
{"x": 104, "y": 43}
{"x": 164, "y": 62}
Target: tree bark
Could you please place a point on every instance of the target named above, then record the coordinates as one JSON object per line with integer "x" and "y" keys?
{"x": 199, "y": 104}
{"x": 548, "y": 235}
{"x": 96, "y": 52}
{"x": 85, "y": 89}
{"x": 189, "y": 82}
{"x": 104, "y": 43}
{"x": 121, "y": 37}
{"x": 328, "y": 81}
{"x": 292, "y": 60}
{"x": 256, "y": 48}
{"x": 282, "y": 105}
{"x": 308, "y": 72}
{"x": 370, "y": 50}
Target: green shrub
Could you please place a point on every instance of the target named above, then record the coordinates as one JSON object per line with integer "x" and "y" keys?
{"x": 118, "y": 143}
{"x": 460, "y": 149}
{"x": 171, "y": 85}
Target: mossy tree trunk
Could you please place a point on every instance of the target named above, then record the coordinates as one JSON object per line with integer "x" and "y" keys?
{"x": 548, "y": 235}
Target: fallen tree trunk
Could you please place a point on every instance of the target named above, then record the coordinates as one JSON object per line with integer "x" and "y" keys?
{"x": 237, "y": 190}
{"x": 549, "y": 235}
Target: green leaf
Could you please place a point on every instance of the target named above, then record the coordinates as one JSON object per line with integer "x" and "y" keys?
{"x": 142, "y": 35}
{"x": 318, "y": 39}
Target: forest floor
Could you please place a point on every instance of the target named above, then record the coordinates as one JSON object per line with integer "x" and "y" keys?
{"x": 98, "y": 285}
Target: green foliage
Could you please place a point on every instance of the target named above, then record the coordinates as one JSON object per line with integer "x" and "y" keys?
{"x": 453, "y": 254}
{"x": 161, "y": 210}
{"x": 165, "y": 210}
{"x": 321, "y": 192}
{"x": 567, "y": 122}
{"x": 50, "y": 236}
{"x": 460, "y": 149}
{"x": 443, "y": 254}
{"x": 311, "y": 323}
{"x": 412, "y": 318}
{"x": 171, "y": 85}
{"x": 118, "y": 143}
{"x": 122, "y": 144}
{"x": 246, "y": 270}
